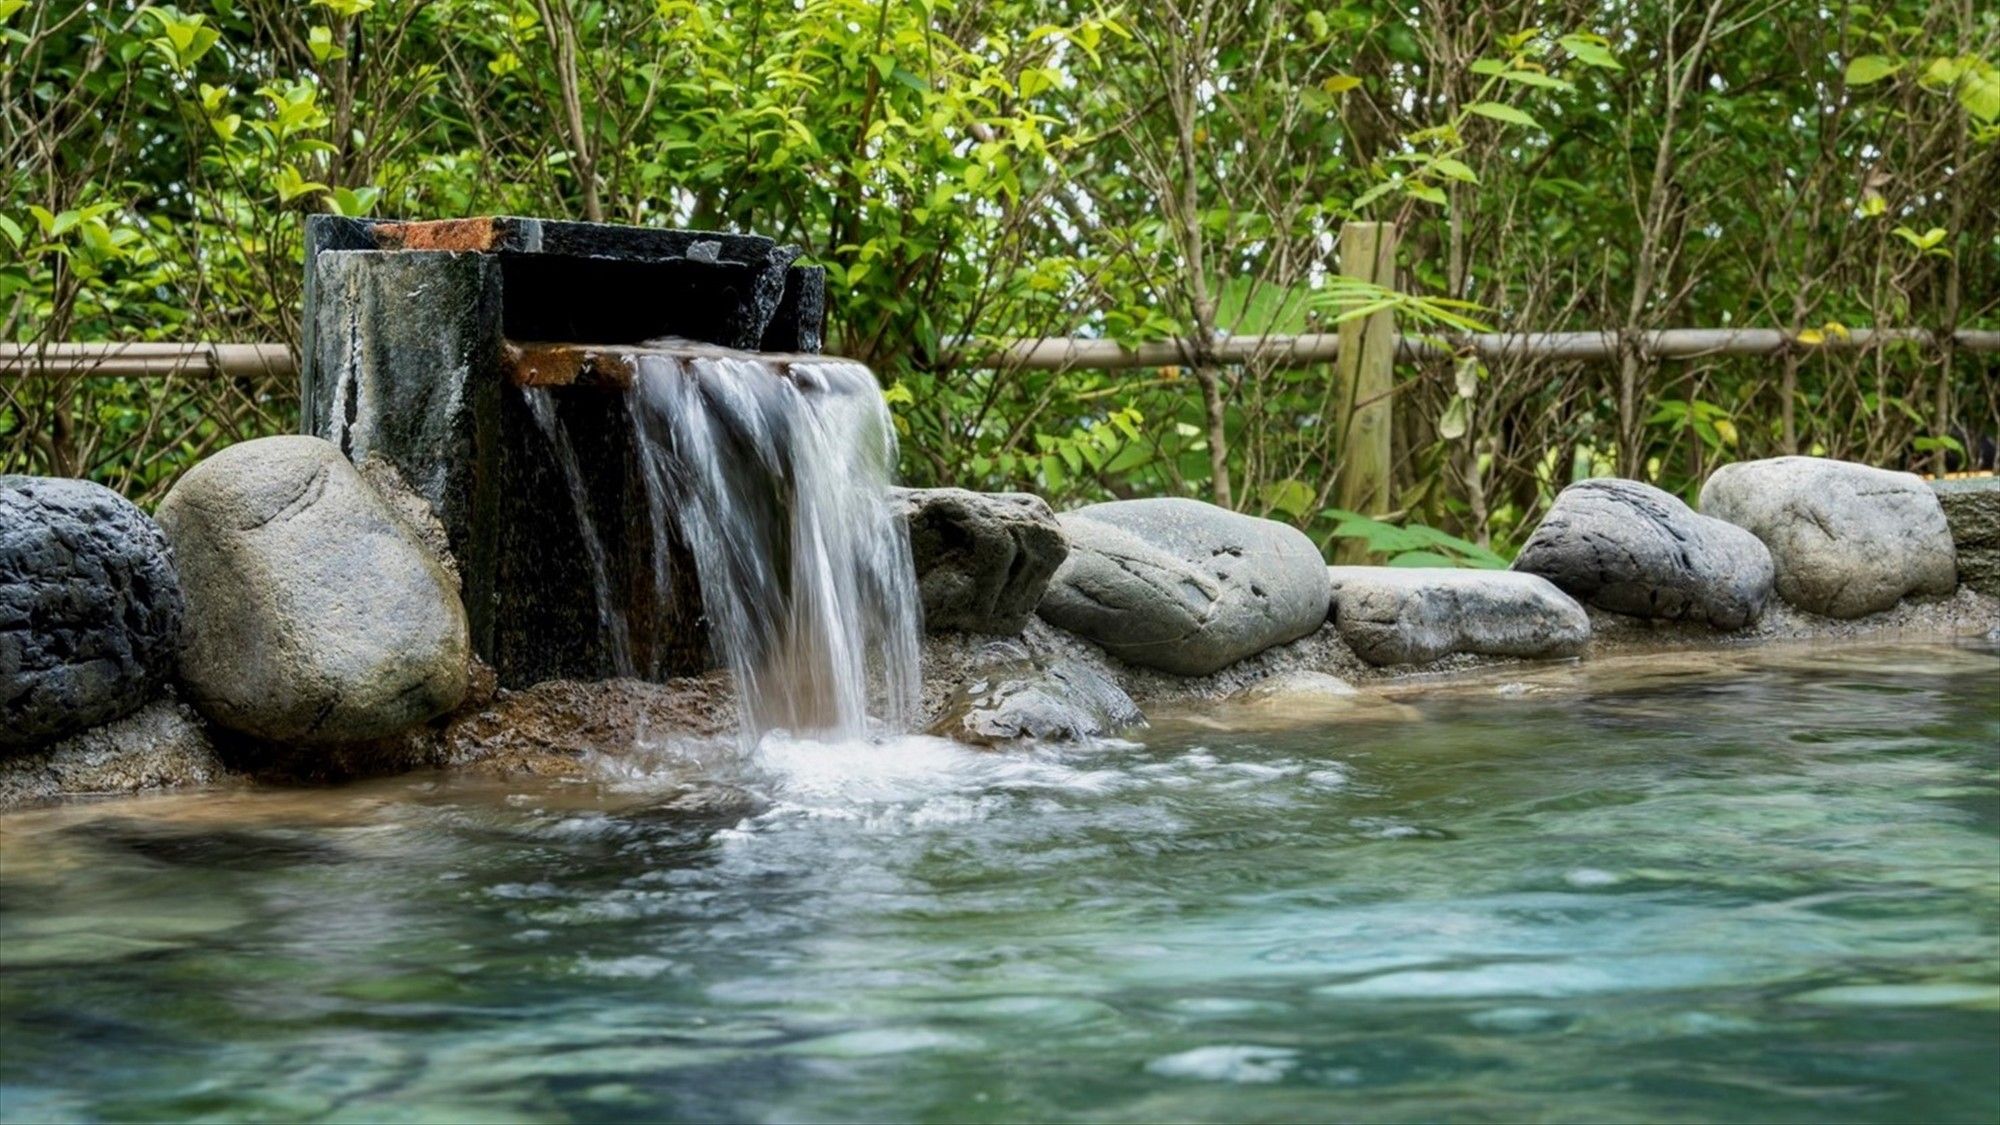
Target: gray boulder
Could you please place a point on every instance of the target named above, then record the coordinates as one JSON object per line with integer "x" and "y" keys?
{"x": 1017, "y": 697}
{"x": 1634, "y": 549}
{"x": 1183, "y": 586}
{"x": 314, "y": 615}
{"x": 983, "y": 559}
{"x": 90, "y": 610}
{"x": 1846, "y": 539}
{"x": 1972, "y": 511}
{"x": 1413, "y": 615}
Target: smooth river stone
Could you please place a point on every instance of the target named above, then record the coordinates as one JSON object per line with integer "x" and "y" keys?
{"x": 983, "y": 559}
{"x": 314, "y": 614}
{"x": 90, "y": 609}
{"x": 1413, "y": 615}
{"x": 1016, "y": 697}
{"x": 1183, "y": 586}
{"x": 1847, "y": 539}
{"x": 1631, "y": 548}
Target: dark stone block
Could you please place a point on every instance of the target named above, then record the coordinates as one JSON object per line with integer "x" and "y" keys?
{"x": 406, "y": 346}
{"x": 90, "y": 608}
{"x": 411, "y": 355}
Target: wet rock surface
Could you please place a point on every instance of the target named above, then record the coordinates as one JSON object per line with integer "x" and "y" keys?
{"x": 1015, "y": 696}
{"x": 1182, "y": 586}
{"x": 1972, "y": 511}
{"x": 1413, "y": 615}
{"x": 90, "y": 608}
{"x": 983, "y": 559}
{"x": 1631, "y": 548}
{"x": 162, "y": 745}
{"x": 314, "y": 614}
{"x": 1846, "y": 539}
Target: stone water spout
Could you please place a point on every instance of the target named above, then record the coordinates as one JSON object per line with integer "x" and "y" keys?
{"x": 642, "y": 465}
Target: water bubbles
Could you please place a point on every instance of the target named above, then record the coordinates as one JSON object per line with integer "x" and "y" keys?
{"x": 1238, "y": 1063}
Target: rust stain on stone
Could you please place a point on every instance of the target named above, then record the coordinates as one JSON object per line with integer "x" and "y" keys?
{"x": 480, "y": 235}
{"x": 567, "y": 365}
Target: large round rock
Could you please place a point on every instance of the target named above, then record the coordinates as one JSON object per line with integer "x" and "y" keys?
{"x": 90, "y": 612}
{"x": 1414, "y": 615}
{"x": 1631, "y": 548}
{"x": 983, "y": 559}
{"x": 1183, "y": 586}
{"x": 1846, "y": 539}
{"x": 313, "y": 614}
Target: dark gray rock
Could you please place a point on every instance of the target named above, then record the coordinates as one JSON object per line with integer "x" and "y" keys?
{"x": 1846, "y": 539}
{"x": 1631, "y": 548}
{"x": 90, "y": 610}
{"x": 1972, "y": 511}
{"x": 162, "y": 745}
{"x": 1183, "y": 586}
{"x": 1016, "y": 697}
{"x": 983, "y": 559}
{"x": 314, "y": 615}
{"x": 1413, "y": 615}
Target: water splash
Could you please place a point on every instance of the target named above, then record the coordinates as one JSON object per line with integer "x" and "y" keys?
{"x": 776, "y": 475}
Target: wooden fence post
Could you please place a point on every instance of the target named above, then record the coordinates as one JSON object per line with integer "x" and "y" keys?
{"x": 1366, "y": 368}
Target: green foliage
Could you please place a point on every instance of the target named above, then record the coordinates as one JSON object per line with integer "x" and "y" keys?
{"x": 974, "y": 171}
{"x": 1412, "y": 544}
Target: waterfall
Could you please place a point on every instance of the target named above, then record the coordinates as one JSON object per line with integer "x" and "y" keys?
{"x": 610, "y": 615}
{"x": 773, "y": 474}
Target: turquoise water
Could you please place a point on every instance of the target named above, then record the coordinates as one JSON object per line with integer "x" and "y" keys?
{"x": 1760, "y": 887}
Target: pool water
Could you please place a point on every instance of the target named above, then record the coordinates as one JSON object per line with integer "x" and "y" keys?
{"x": 1758, "y": 886}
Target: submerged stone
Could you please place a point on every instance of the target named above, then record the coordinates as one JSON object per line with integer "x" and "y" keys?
{"x": 1183, "y": 586}
{"x": 1413, "y": 615}
{"x": 983, "y": 559}
{"x": 314, "y": 614}
{"x": 90, "y": 608}
{"x": 1972, "y": 511}
{"x": 1020, "y": 698}
{"x": 1846, "y": 539}
{"x": 1631, "y": 548}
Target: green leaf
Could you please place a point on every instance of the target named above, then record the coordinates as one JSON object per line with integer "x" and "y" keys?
{"x": 1455, "y": 169}
{"x": 1292, "y": 497}
{"x": 1506, "y": 113}
{"x": 1868, "y": 69}
{"x": 1590, "y": 50}
{"x": 1535, "y": 78}
{"x": 1979, "y": 92}
{"x": 1452, "y": 424}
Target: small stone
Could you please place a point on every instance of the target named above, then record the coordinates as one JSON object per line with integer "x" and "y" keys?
{"x": 90, "y": 608}
{"x": 1058, "y": 700}
{"x": 1413, "y": 615}
{"x": 162, "y": 745}
{"x": 1631, "y": 548}
{"x": 314, "y": 615}
{"x": 983, "y": 559}
{"x": 1972, "y": 511}
{"x": 1847, "y": 539}
{"x": 1183, "y": 586}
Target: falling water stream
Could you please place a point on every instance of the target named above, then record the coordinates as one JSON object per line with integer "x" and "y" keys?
{"x": 774, "y": 473}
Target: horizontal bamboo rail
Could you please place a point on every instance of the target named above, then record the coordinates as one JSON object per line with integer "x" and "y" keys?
{"x": 1075, "y": 353}
{"x": 144, "y": 360}
{"x": 1322, "y": 347}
